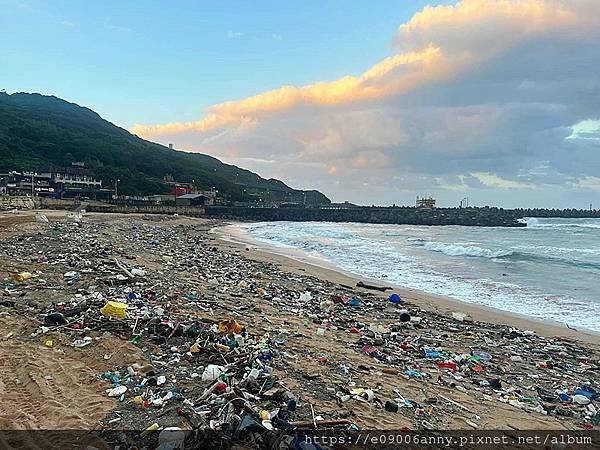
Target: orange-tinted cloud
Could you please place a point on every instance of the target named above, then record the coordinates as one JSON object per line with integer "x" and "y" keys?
{"x": 461, "y": 27}
{"x": 434, "y": 45}
{"x": 475, "y": 97}
{"x": 393, "y": 74}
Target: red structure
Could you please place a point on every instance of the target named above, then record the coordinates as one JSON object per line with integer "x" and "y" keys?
{"x": 180, "y": 189}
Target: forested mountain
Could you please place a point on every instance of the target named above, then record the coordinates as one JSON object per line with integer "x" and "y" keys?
{"x": 39, "y": 131}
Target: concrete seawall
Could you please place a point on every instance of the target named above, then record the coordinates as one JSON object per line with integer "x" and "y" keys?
{"x": 145, "y": 209}
{"x": 8, "y": 203}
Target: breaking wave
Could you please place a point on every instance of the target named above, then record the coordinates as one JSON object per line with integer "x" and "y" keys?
{"x": 466, "y": 250}
{"x": 533, "y": 222}
{"x": 474, "y": 251}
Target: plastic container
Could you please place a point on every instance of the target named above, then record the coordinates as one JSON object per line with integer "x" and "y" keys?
{"x": 395, "y": 299}
{"x": 115, "y": 310}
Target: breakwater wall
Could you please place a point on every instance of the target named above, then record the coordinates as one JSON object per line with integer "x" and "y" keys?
{"x": 485, "y": 217}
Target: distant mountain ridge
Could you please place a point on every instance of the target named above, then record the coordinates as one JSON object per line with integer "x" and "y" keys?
{"x": 39, "y": 131}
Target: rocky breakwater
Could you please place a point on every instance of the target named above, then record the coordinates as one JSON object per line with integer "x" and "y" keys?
{"x": 483, "y": 217}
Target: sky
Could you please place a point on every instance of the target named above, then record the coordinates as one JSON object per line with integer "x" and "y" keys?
{"x": 370, "y": 102}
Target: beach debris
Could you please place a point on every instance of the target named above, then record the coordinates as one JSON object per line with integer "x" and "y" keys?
{"x": 460, "y": 316}
{"x": 21, "y": 276}
{"x": 55, "y": 318}
{"x": 230, "y": 326}
{"x": 80, "y": 343}
{"x": 373, "y": 287}
{"x": 404, "y": 315}
{"x": 116, "y": 391}
{"x": 395, "y": 299}
{"x": 226, "y": 345}
{"x": 305, "y": 297}
{"x": 41, "y": 218}
{"x": 117, "y": 310}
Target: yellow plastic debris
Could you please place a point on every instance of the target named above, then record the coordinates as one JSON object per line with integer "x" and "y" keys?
{"x": 195, "y": 348}
{"x": 154, "y": 427}
{"x": 49, "y": 343}
{"x": 22, "y": 276}
{"x": 357, "y": 391}
{"x": 230, "y": 326}
{"x": 223, "y": 347}
{"x": 116, "y": 310}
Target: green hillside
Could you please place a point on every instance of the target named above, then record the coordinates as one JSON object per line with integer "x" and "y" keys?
{"x": 38, "y": 131}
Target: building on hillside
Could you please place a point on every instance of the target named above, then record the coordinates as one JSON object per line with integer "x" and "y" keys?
{"x": 76, "y": 181}
{"x": 212, "y": 197}
{"x": 425, "y": 202}
{"x": 192, "y": 200}
{"x": 162, "y": 198}
{"x": 58, "y": 182}
{"x": 28, "y": 184}
{"x": 178, "y": 188}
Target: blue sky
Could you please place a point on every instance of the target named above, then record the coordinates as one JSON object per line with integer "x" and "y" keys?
{"x": 142, "y": 62}
{"x": 497, "y": 100}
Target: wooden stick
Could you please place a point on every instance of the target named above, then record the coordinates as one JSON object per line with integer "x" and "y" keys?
{"x": 323, "y": 423}
{"x": 455, "y": 403}
{"x": 124, "y": 269}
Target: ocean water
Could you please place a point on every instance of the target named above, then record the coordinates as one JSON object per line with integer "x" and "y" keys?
{"x": 548, "y": 270}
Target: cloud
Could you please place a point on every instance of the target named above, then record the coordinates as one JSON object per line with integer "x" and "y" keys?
{"x": 480, "y": 95}
{"x": 491, "y": 180}
{"x": 586, "y": 129}
{"x": 590, "y": 182}
{"x": 391, "y": 75}
{"x": 67, "y": 23}
{"x": 108, "y": 23}
{"x": 234, "y": 34}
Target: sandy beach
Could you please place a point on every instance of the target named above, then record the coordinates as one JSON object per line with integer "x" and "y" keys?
{"x": 340, "y": 361}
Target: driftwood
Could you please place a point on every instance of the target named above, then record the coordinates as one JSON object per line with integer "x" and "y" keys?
{"x": 320, "y": 423}
{"x": 373, "y": 287}
{"x": 124, "y": 269}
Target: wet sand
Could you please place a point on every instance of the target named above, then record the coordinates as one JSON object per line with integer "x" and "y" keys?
{"x": 233, "y": 236}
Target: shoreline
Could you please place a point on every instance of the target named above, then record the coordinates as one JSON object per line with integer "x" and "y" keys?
{"x": 232, "y": 235}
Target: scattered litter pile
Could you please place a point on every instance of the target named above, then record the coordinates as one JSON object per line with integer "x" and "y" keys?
{"x": 239, "y": 350}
